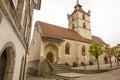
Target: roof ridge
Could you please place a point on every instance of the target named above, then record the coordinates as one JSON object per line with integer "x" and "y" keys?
{"x": 54, "y": 25}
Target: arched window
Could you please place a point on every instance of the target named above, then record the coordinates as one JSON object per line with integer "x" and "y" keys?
{"x": 67, "y": 48}
{"x": 83, "y": 50}
{"x": 73, "y": 18}
{"x": 73, "y": 26}
{"x": 12, "y": 4}
{"x": 83, "y": 16}
{"x": 84, "y": 25}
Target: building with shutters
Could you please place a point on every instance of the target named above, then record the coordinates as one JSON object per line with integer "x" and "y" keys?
{"x": 15, "y": 28}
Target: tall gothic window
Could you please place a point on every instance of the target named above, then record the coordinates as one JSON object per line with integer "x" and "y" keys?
{"x": 67, "y": 48}
{"x": 83, "y": 50}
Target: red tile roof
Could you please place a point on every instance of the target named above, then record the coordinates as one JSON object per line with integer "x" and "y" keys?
{"x": 98, "y": 39}
{"x": 57, "y": 32}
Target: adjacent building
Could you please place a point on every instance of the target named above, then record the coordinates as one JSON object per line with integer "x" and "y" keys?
{"x": 15, "y": 28}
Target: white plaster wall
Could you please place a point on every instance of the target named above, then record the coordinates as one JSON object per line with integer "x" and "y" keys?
{"x": 7, "y": 34}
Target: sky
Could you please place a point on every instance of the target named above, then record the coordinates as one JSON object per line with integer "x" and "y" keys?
{"x": 105, "y": 16}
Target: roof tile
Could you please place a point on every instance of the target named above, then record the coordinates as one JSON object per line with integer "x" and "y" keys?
{"x": 57, "y": 32}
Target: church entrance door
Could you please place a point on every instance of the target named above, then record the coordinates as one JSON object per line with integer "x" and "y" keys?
{"x": 50, "y": 57}
{"x": 3, "y": 60}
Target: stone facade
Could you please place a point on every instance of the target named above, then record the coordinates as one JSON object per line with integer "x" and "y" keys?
{"x": 15, "y": 27}
{"x": 60, "y": 45}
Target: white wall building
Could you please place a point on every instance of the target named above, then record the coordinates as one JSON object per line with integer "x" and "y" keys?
{"x": 15, "y": 27}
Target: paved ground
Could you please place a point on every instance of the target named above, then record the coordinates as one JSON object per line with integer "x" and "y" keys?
{"x": 94, "y": 67}
{"x": 29, "y": 77}
{"x": 110, "y": 75}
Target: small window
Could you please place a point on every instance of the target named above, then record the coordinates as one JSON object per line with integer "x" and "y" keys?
{"x": 83, "y": 16}
{"x": 67, "y": 48}
{"x": 73, "y": 26}
{"x": 72, "y": 18}
{"x": 84, "y": 25}
{"x": 11, "y": 3}
{"x": 83, "y": 50}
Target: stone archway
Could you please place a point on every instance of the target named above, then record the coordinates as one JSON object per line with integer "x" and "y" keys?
{"x": 50, "y": 57}
{"x": 51, "y": 53}
{"x": 7, "y": 62}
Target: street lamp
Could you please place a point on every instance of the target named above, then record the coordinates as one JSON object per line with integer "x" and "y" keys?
{"x": 84, "y": 60}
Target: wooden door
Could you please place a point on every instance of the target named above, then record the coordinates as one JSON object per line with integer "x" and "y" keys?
{"x": 50, "y": 57}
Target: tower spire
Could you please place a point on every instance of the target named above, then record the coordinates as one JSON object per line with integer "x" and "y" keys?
{"x": 77, "y": 2}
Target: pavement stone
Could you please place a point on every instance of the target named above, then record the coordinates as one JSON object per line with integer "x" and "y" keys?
{"x": 114, "y": 74}
{"x": 110, "y": 75}
{"x": 30, "y": 77}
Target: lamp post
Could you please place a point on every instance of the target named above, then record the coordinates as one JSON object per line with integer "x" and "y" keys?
{"x": 84, "y": 60}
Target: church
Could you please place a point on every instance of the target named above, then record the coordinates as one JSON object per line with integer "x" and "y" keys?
{"x": 61, "y": 45}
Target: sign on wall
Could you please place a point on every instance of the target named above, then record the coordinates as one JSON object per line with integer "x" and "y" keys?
{"x": 0, "y": 17}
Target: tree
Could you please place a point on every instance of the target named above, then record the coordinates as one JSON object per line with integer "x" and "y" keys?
{"x": 117, "y": 53}
{"x": 110, "y": 52}
{"x": 96, "y": 50}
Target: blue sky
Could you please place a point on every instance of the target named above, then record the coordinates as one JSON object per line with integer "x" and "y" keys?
{"x": 105, "y": 16}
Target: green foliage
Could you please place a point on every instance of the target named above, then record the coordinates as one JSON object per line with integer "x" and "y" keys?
{"x": 109, "y": 50}
{"x": 96, "y": 49}
{"x": 116, "y": 51}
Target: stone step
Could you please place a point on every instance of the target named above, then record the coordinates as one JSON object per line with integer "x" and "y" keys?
{"x": 59, "y": 68}
{"x": 59, "y": 77}
{"x": 56, "y": 77}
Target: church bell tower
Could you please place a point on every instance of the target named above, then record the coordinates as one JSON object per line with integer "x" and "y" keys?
{"x": 79, "y": 21}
